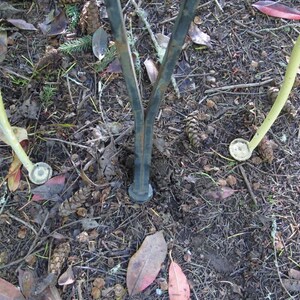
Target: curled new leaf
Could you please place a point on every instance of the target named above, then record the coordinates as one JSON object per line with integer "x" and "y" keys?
{"x": 274, "y": 9}
{"x": 145, "y": 264}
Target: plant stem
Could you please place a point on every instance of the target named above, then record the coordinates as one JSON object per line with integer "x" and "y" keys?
{"x": 40, "y": 172}
{"x": 11, "y": 138}
{"x": 282, "y": 97}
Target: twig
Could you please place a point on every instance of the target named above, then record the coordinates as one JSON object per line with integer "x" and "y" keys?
{"x": 273, "y": 234}
{"x": 23, "y": 222}
{"x": 242, "y": 170}
{"x": 293, "y": 25}
{"x": 218, "y": 5}
{"x": 160, "y": 51}
{"x": 238, "y": 86}
{"x": 66, "y": 142}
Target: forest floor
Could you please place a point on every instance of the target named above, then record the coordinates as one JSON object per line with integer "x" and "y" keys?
{"x": 234, "y": 228}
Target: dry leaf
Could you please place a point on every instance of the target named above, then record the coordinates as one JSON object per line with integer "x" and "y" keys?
{"x": 9, "y": 292}
{"x": 14, "y": 172}
{"x": 145, "y": 264}
{"x": 3, "y": 45}
{"x": 49, "y": 190}
{"x": 99, "y": 43}
{"x": 294, "y": 274}
{"x": 27, "y": 282}
{"x": 67, "y": 277}
{"x": 162, "y": 40}
{"x": 151, "y": 69}
{"x": 7, "y": 8}
{"x": 199, "y": 37}
{"x": 179, "y": 288}
{"x": 56, "y": 23}
{"x": 20, "y": 133}
{"x": 21, "y": 24}
{"x": 220, "y": 193}
{"x": 291, "y": 285}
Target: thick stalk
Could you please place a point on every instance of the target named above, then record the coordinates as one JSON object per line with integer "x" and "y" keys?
{"x": 140, "y": 189}
{"x": 287, "y": 85}
{"x": 186, "y": 14}
{"x": 40, "y": 172}
{"x": 11, "y": 138}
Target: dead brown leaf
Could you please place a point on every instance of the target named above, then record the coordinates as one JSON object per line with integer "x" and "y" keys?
{"x": 145, "y": 264}
{"x": 3, "y": 45}
{"x": 151, "y": 69}
{"x": 291, "y": 285}
{"x": 21, "y": 24}
{"x": 294, "y": 274}
{"x": 9, "y": 292}
{"x": 199, "y": 37}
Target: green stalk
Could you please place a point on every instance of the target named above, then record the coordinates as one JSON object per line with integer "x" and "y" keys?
{"x": 288, "y": 82}
{"x": 241, "y": 149}
{"x": 39, "y": 172}
{"x": 11, "y": 139}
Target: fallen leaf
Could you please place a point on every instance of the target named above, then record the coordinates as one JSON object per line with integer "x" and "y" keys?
{"x": 291, "y": 285}
{"x": 14, "y": 172}
{"x": 199, "y": 37}
{"x": 67, "y": 277}
{"x": 50, "y": 189}
{"x": 99, "y": 43}
{"x": 294, "y": 274}
{"x": 179, "y": 288}
{"x": 151, "y": 69}
{"x": 6, "y": 7}
{"x": 21, "y": 24}
{"x": 88, "y": 224}
{"x": 162, "y": 40}
{"x": 108, "y": 161}
{"x": 145, "y": 264}
{"x": 220, "y": 193}
{"x": 114, "y": 67}
{"x": 30, "y": 109}
{"x": 184, "y": 81}
{"x": 20, "y": 133}
{"x": 43, "y": 283}
{"x": 56, "y": 23}
{"x": 3, "y": 45}
{"x": 9, "y": 292}
{"x": 51, "y": 293}
{"x": 275, "y": 9}
{"x": 27, "y": 281}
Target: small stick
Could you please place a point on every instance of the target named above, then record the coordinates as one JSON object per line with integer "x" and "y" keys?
{"x": 238, "y": 86}
{"x": 23, "y": 222}
{"x": 248, "y": 184}
{"x": 160, "y": 51}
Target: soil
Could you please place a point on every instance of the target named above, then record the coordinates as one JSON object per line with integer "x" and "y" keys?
{"x": 232, "y": 227}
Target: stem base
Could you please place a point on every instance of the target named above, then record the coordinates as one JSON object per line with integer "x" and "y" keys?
{"x": 239, "y": 149}
{"x": 140, "y": 197}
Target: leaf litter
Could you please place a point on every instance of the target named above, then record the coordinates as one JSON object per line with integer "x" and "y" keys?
{"x": 145, "y": 264}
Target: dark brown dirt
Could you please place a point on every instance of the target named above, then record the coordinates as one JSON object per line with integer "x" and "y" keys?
{"x": 226, "y": 247}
